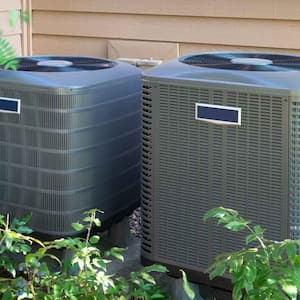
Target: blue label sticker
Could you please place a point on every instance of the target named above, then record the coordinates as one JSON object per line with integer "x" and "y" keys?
{"x": 218, "y": 114}
{"x": 10, "y": 105}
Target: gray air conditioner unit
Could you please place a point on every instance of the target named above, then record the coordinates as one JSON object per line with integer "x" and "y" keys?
{"x": 69, "y": 140}
{"x": 219, "y": 129}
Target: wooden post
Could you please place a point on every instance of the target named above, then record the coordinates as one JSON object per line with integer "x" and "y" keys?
{"x": 26, "y": 38}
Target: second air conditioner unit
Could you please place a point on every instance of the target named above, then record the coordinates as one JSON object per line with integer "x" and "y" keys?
{"x": 219, "y": 129}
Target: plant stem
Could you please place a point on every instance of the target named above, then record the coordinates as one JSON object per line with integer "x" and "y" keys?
{"x": 31, "y": 289}
{"x": 257, "y": 237}
{"x": 93, "y": 216}
{"x": 6, "y": 228}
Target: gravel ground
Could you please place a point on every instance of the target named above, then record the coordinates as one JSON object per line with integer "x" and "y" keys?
{"x": 135, "y": 223}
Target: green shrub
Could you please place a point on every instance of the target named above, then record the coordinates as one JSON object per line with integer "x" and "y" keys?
{"x": 270, "y": 270}
{"x": 83, "y": 276}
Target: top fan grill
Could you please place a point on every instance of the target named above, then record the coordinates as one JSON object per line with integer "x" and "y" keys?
{"x": 244, "y": 61}
{"x": 62, "y": 64}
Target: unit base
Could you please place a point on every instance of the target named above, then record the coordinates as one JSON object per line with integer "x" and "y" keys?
{"x": 106, "y": 224}
{"x": 218, "y": 288}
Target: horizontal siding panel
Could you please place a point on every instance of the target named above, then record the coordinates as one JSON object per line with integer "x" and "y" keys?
{"x": 185, "y": 49}
{"x": 141, "y": 50}
{"x": 266, "y": 9}
{"x": 245, "y": 32}
{"x": 64, "y": 45}
{"x": 6, "y": 5}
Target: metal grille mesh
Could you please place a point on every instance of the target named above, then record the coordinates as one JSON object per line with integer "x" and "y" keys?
{"x": 199, "y": 166}
{"x": 67, "y": 153}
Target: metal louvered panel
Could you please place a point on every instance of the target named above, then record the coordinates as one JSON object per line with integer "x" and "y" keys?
{"x": 201, "y": 165}
{"x": 294, "y": 170}
{"x": 147, "y": 176}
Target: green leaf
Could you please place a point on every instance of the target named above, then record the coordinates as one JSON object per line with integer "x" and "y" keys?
{"x": 190, "y": 293}
{"x": 297, "y": 261}
{"x": 235, "y": 226}
{"x": 237, "y": 290}
{"x": 8, "y": 240}
{"x": 218, "y": 212}
{"x": 8, "y": 295}
{"x": 250, "y": 272}
{"x": 24, "y": 16}
{"x": 147, "y": 277}
{"x": 290, "y": 289}
{"x": 27, "y": 218}
{"x": 236, "y": 263}
{"x": 30, "y": 259}
{"x": 117, "y": 256}
{"x": 24, "y": 230}
{"x": 100, "y": 263}
{"x": 226, "y": 219}
{"x": 277, "y": 251}
{"x": 94, "y": 239}
{"x": 258, "y": 230}
{"x": 7, "y": 264}
{"x": 24, "y": 249}
{"x": 77, "y": 226}
{"x": 250, "y": 238}
{"x": 291, "y": 251}
{"x": 158, "y": 296}
{"x": 219, "y": 270}
{"x": 13, "y": 17}
{"x": 155, "y": 268}
{"x": 97, "y": 222}
{"x": 7, "y": 55}
{"x": 87, "y": 219}
{"x": 248, "y": 286}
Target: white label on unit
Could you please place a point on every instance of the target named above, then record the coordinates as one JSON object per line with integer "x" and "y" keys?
{"x": 218, "y": 114}
{"x": 10, "y": 105}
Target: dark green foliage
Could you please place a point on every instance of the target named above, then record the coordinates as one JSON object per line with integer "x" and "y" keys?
{"x": 270, "y": 270}
{"x": 82, "y": 276}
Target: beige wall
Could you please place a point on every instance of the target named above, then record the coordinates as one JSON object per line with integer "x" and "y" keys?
{"x": 164, "y": 28}
{"x": 20, "y": 35}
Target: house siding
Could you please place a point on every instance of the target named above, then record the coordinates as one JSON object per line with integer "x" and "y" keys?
{"x": 86, "y": 27}
{"x": 20, "y": 35}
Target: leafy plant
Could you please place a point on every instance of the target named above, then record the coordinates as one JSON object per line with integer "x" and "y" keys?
{"x": 8, "y": 58}
{"x": 42, "y": 275}
{"x": 16, "y": 15}
{"x": 7, "y": 55}
{"x": 13, "y": 241}
{"x": 269, "y": 270}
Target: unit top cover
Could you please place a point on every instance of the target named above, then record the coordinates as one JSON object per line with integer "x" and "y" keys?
{"x": 65, "y": 71}
{"x": 269, "y": 70}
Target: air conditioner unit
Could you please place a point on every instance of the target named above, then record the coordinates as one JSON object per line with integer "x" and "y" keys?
{"x": 219, "y": 129}
{"x": 73, "y": 141}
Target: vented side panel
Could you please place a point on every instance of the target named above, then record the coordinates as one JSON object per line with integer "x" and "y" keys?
{"x": 198, "y": 166}
{"x": 294, "y": 169}
{"x": 147, "y": 170}
{"x": 67, "y": 153}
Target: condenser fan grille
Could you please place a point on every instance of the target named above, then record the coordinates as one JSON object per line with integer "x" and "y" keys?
{"x": 62, "y": 64}
{"x": 244, "y": 61}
